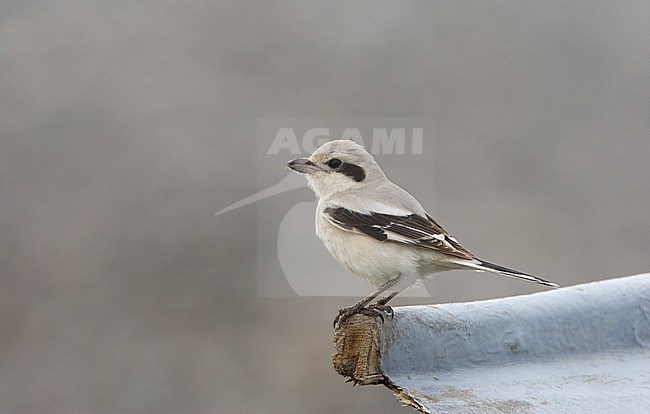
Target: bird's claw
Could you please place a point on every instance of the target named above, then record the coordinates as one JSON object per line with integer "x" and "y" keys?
{"x": 372, "y": 311}
{"x": 345, "y": 313}
{"x": 383, "y": 310}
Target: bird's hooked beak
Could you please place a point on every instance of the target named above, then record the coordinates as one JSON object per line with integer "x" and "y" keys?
{"x": 303, "y": 166}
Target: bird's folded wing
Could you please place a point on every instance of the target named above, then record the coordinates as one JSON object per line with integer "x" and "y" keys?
{"x": 411, "y": 229}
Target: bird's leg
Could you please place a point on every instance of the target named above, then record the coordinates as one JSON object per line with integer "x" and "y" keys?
{"x": 381, "y": 306}
{"x": 346, "y": 312}
{"x": 383, "y": 301}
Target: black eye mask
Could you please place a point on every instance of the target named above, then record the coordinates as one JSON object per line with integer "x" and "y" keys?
{"x": 353, "y": 171}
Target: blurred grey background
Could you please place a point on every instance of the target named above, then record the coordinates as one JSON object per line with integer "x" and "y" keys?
{"x": 126, "y": 125}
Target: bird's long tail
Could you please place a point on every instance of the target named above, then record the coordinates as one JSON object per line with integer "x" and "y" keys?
{"x": 495, "y": 268}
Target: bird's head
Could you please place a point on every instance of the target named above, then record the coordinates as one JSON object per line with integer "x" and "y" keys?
{"x": 337, "y": 166}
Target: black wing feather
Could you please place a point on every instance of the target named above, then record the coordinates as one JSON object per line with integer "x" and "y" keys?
{"x": 413, "y": 229}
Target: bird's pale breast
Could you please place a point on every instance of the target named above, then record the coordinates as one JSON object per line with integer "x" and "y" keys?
{"x": 373, "y": 261}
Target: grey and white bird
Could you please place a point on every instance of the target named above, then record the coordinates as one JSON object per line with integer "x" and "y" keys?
{"x": 377, "y": 230}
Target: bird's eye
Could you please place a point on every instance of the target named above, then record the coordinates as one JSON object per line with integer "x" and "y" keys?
{"x": 334, "y": 163}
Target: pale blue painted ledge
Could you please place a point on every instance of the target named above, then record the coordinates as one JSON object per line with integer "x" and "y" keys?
{"x": 581, "y": 349}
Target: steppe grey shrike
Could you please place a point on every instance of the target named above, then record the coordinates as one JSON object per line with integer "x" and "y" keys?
{"x": 377, "y": 230}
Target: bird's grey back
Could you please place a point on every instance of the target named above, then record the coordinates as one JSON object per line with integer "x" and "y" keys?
{"x": 382, "y": 196}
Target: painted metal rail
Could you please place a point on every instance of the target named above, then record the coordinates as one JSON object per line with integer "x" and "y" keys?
{"x": 581, "y": 349}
